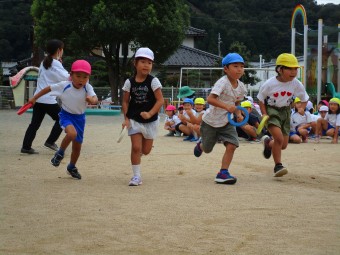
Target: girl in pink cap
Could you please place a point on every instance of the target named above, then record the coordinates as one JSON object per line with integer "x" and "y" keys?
{"x": 74, "y": 96}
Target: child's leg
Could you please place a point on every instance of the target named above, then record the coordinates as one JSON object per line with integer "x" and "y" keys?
{"x": 277, "y": 143}
{"x": 295, "y": 138}
{"x": 136, "y": 148}
{"x": 228, "y": 155}
{"x": 76, "y": 148}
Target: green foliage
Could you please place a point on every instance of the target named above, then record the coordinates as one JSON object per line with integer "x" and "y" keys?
{"x": 107, "y": 24}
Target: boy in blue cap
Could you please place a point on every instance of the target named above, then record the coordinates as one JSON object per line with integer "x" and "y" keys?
{"x": 226, "y": 94}
{"x": 188, "y": 104}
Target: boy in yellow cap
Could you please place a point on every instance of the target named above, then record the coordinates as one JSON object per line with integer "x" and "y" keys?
{"x": 275, "y": 97}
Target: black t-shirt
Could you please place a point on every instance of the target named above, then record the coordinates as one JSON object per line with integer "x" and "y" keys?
{"x": 142, "y": 99}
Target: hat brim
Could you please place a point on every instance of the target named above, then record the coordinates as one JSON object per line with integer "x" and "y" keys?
{"x": 187, "y": 94}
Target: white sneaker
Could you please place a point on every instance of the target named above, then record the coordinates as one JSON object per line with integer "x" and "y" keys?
{"x": 135, "y": 181}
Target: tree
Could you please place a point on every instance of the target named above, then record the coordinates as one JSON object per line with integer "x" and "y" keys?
{"x": 112, "y": 25}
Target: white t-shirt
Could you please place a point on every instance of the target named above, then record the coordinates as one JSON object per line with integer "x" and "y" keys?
{"x": 174, "y": 118}
{"x": 55, "y": 74}
{"x": 73, "y": 100}
{"x": 215, "y": 116}
{"x": 297, "y": 119}
{"x": 280, "y": 94}
{"x": 333, "y": 119}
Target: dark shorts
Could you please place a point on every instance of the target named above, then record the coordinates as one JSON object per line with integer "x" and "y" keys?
{"x": 210, "y": 135}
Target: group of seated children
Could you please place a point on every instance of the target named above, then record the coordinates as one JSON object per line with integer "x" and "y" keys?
{"x": 325, "y": 121}
{"x": 188, "y": 119}
{"x": 307, "y": 123}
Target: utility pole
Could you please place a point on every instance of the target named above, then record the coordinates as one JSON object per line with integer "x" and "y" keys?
{"x": 219, "y": 41}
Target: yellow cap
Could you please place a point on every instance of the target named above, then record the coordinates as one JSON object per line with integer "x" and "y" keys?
{"x": 288, "y": 60}
{"x": 246, "y": 104}
{"x": 199, "y": 100}
{"x": 335, "y": 100}
{"x": 297, "y": 100}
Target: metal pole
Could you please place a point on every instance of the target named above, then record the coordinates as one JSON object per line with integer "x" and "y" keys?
{"x": 338, "y": 46}
{"x": 293, "y": 41}
{"x": 319, "y": 60}
{"x": 305, "y": 49}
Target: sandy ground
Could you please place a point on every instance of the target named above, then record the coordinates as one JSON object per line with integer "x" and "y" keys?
{"x": 178, "y": 209}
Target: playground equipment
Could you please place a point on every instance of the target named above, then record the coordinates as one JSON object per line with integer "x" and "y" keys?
{"x": 23, "y": 84}
{"x": 318, "y": 67}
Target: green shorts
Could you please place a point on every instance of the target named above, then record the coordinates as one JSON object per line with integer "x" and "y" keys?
{"x": 210, "y": 135}
{"x": 280, "y": 117}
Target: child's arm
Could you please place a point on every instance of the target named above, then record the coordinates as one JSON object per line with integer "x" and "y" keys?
{"x": 39, "y": 94}
{"x": 92, "y": 100}
{"x": 212, "y": 99}
{"x": 125, "y": 106}
{"x": 336, "y": 134}
{"x": 157, "y": 106}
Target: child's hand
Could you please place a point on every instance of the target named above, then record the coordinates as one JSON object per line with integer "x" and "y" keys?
{"x": 89, "y": 99}
{"x": 32, "y": 100}
{"x": 145, "y": 115}
{"x": 126, "y": 123}
{"x": 231, "y": 108}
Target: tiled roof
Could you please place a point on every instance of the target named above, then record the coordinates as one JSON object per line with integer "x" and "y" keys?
{"x": 190, "y": 57}
{"x": 191, "y": 31}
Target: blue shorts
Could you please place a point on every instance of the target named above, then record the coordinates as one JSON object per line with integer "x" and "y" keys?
{"x": 76, "y": 120}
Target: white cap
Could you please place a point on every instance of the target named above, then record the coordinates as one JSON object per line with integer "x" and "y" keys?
{"x": 323, "y": 108}
{"x": 250, "y": 99}
{"x": 309, "y": 105}
{"x": 144, "y": 53}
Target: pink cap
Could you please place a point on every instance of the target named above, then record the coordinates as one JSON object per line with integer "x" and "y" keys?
{"x": 170, "y": 108}
{"x": 325, "y": 102}
{"x": 81, "y": 66}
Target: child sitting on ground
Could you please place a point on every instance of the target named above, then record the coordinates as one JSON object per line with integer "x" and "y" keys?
{"x": 185, "y": 119}
{"x": 248, "y": 130}
{"x": 330, "y": 125}
{"x": 195, "y": 120}
{"x": 171, "y": 120}
{"x": 300, "y": 123}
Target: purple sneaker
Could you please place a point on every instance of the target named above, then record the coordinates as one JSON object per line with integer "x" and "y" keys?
{"x": 198, "y": 150}
{"x": 224, "y": 177}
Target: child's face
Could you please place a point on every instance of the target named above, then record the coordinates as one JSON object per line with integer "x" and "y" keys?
{"x": 323, "y": 114}
{"x": 333, "y": 107}
{"x": 234, "y": 70}
{"x": 187, "y": 106}
{"x": 79, "y": 79}
{"x": 199, "y": 107}
{"x": 143, "y": 66}
{"x": 169, "y": 113}
{"x": 288, "y": 73}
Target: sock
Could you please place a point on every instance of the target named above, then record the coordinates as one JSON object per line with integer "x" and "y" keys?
{"x": 278, "y": 164}
{"x": 224, "y": 170}
{"x": 136, "y": 170}
{"x": 71, "y": 166}
{"x": 61, "y": 151}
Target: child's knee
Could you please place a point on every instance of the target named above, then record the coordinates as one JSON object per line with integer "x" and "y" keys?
{"x": 72, "y": 135}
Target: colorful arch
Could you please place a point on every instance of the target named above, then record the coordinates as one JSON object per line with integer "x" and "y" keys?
{"x": 299, "y": 9}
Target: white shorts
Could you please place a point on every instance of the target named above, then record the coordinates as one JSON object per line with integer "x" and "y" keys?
{"x": 148, "y": 130}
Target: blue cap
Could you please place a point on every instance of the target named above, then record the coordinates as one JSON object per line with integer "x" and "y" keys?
{"x": 232, "y": 58}
{"x": 188, "y": 100}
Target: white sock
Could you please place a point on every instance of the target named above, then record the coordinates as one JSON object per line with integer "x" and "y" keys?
{"x": 136, "y": 170}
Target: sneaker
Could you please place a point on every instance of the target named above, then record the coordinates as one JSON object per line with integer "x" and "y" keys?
{"x": 195, "y": 139}
{"x": 188, "y": 138}
{"x": 280, "y": 170}
{"x": 30, "y": 151}
{"x": 177, "y": 134}
{"x": 224, "y": 177}
{"x": 198, "y": 150}
{"x": 74, "y": 173}
{"x": 267, "y": 151}
{"x": 135, "y": 181}
{"x": 52, "y": 147}
{"x": 56, "y": 159}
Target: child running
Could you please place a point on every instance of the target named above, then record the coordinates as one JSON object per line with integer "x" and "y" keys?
{"x": 73, "y": 95}
{"x": 275, "y": 97}
{"x": 226, "y": 93}
{"x": 142, "y": 101}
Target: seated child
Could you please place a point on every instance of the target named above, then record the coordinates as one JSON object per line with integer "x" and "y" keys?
{"x": 185, "y": 119}
{"x": 300, "y": 123}
{"x": 330, "y": 125}
{"x": 171, "y": 120}
{"x": 248, "y": 130}
{"x": 196, "y": 119}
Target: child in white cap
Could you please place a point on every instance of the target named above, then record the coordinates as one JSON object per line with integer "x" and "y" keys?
{"x": 74, "y": 96}
{"x": 142, "y": 101}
